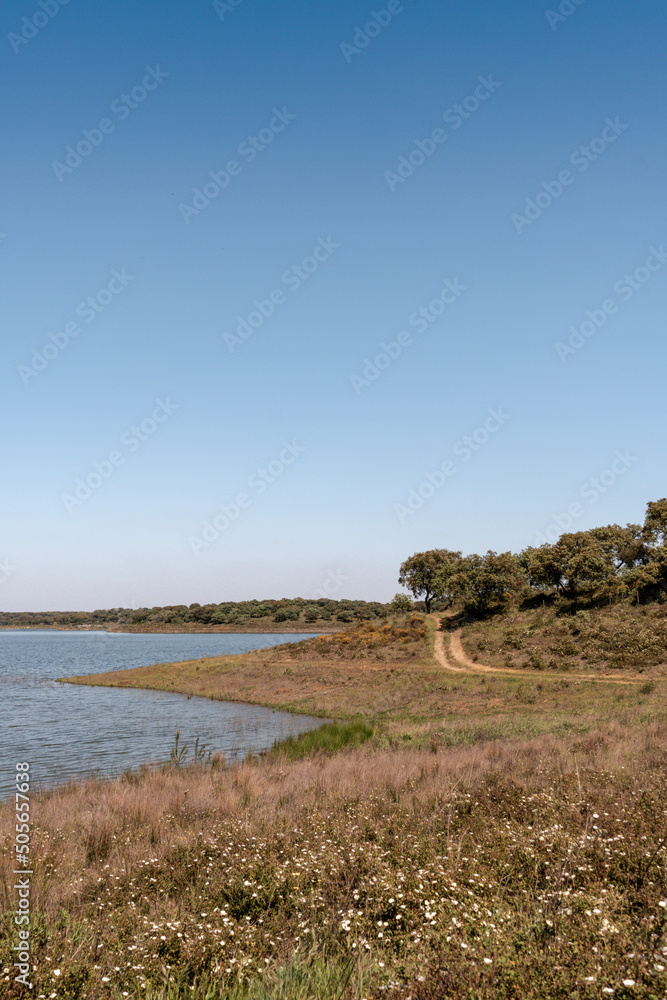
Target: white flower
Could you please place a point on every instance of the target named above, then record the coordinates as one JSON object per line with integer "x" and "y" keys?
{"x": 488, "y": 961}
{"x": 663, "y": 903}
{"x": 56, "y": 972}
{"x": 628, "y": 982}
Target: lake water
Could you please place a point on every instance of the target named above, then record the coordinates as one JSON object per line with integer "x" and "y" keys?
{"x": 67, "y": 731}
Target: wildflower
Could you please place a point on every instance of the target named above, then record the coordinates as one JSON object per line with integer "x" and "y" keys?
{"x": 628, "y": 982}
{"x": 56, "y": 972}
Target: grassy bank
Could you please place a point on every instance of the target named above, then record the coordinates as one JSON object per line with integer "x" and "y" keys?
{"x": 618, "y": 638}
{"x": 463, "y": 836}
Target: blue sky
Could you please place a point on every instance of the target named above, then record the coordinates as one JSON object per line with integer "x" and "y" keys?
{"x": 364, "y": 197}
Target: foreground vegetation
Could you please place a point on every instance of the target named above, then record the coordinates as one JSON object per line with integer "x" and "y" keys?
{"x": 463, "y": 835}
{"x": 534, "y": 869}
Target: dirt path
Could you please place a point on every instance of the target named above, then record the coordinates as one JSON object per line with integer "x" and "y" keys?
{"x": 440, "y": 649}
{"x": 456, "y": 660}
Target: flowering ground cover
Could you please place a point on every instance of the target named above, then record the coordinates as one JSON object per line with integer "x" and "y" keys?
{"x": 477, "y": 837}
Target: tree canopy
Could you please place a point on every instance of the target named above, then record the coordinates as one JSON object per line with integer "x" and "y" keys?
{"x": 581, "y": 566}
{"x": 424, "y": 572}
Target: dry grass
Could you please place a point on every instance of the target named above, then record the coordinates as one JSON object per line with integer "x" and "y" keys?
{"x": 370, "y": 669}
{"x": 498, "y": 837}
{"x": 542, "y": 855}
{"x": 620, "y": 638}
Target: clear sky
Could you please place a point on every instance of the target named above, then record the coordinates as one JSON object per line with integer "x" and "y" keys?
{"x": 265, "y": 267}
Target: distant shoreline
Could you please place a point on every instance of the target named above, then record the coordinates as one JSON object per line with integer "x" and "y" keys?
{"x": 219, "y": 630}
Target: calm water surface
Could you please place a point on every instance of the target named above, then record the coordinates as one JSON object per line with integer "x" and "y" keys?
{"x": 66, "y": 731}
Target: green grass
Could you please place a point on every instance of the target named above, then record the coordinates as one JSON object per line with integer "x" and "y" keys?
{"x": 329, "y": 739}
{"x": 314, "y": 977}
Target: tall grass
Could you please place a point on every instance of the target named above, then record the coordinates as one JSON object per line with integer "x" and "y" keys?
{"x": 329, "y": 738}
{"x": 478, "y": 837}
{"x": 532, "y": 868}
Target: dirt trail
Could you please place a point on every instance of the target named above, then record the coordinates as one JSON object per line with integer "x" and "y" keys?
{"x": 440, "y": 649}
{"x": 456, "y": 659}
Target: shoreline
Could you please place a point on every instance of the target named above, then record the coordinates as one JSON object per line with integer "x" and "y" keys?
{"x": 174, "y": 631}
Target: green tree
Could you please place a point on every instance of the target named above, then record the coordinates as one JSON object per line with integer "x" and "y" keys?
{"x": 577, "y": 565}
{"x": 401, "y": 603}
{"x": 652, "y": 576}
{"x": 655, "y": 522}
{"x": 625, "y": 547}
{"x": 489, "y": 582}
{"x": 419, "y": 573}
{"x": 587, "y": 564}
{"x": 543, "y": 567}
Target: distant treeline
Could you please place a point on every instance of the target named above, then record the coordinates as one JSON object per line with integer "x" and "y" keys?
{"x": 289, "y": 613}
{"x": 582, "y": 567}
